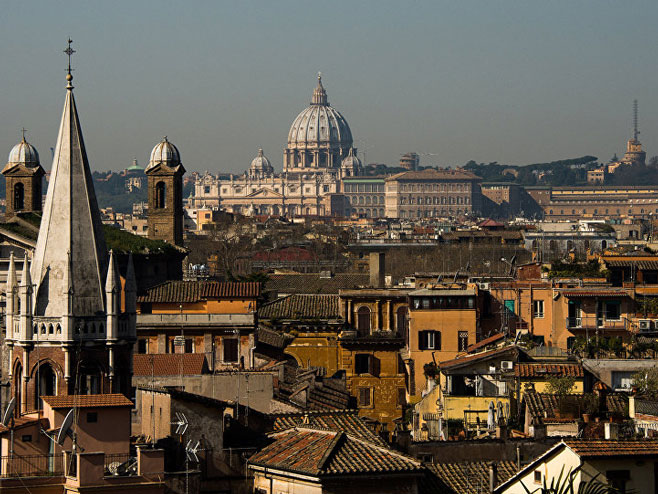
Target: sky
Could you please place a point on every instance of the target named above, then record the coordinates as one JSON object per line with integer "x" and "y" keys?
{"x": 515, "y": 82}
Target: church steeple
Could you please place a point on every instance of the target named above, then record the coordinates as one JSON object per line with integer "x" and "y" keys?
{"x": 71, "y": 222}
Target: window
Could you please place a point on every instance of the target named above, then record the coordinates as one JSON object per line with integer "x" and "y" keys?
{"x": 189, "y": 345}
{"x": 363, "y": 363}
{"x": 365, "y": 397}
{"x": 92, "y": 417}
{"x": 538, "y": 309}
{"x": 363, "y": 320}
{"x": 429, "y": 340}
{"x": 26, "y": 438}
{"x": 230, "y": 349}
{"x": 206, "y": 189}
{"x": 160, "y": 195}
{"x": 613, "y": 311}
{"x": 537, "y": 476}
{"x": 19, "y": 195}
{"x": 462, "y": 340}
{"x": 142, "y": 345}
{"x": 509, "y": 307}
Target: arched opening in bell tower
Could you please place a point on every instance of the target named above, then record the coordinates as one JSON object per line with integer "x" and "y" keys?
{"x": 19, "y": 196}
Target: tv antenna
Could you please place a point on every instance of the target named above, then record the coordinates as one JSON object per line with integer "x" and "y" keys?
{"x": 8, "y": 421}
{"x": 9, "y": 412}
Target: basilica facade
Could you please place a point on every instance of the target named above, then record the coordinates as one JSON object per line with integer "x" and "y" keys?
{"x": 318, "y": 154}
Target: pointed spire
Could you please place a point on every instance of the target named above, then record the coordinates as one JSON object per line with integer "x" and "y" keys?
{"x": 319, "y": 94}
{"x": 112, "y": 282}
{"x": 70, "y": 250}
{"x": 11, "y": 275}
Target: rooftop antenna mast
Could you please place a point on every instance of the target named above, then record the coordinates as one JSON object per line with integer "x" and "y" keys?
{"x": 636, "y": 132}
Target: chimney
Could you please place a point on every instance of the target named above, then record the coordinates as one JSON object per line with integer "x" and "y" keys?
{"x": 493, "y": 476}
{"x": 377, "y": 269}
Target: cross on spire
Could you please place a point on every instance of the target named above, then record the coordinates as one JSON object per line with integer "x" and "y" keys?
{"x": 69, "y": 51}
{"x": 23, "y": 130}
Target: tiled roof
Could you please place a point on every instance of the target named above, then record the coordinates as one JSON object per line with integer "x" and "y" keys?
{"x": 487, "y": 341}
{"x": 272, "y": 338}
{"x": 169, "y": 364}
{"x": 638, "y": 264}
{"x": 195, "y": 291}
{"x": 588, "y": 448}
{"x": 325, "y": 453}
{"x": 302, "y": 306}
{"x": 460, "y": 361}
{"x": 548, "y": 370}
{"x": 87, "y": 401}
{"x": 341, "y": 420}
{"x": 470, "y": 477}
{"x": 434, "y": 174}
{"x": 544, "y": 405}
{"x": 23, "y": 421}
{"x": 312, "y": 283}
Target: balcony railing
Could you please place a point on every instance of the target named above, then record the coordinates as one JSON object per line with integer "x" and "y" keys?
{"x": 31, "y": 466}
{"x": 594, "y": 322}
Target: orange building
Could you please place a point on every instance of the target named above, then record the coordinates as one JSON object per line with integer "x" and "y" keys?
{"x": 217, "y": 319}
{"x": 443, "y": 322}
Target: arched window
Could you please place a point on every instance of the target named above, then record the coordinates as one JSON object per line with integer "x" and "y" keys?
{"x": 363, "y": 320}
{"x": 46, "y": 384}
{"x": 19, "y": 196}
{"x": 160, "y": 195}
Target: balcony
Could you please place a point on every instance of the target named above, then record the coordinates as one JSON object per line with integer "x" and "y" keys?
{"x": 597, "y": 323}
{"x": 197, "y": 320}
{"x": 31, "y": 466}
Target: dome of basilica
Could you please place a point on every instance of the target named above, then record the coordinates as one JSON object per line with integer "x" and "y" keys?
{"x": 260, "y": 166}
{"x": 164, "y": 152}
{"x": 319, "y": 127}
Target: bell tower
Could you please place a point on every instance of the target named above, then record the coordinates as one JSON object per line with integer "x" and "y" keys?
{"x": 165, "y": 193}
{"x": 24, "y": 175}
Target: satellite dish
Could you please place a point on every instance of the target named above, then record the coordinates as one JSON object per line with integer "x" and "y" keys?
{"x": 9, "y": 412}
{"x": 65, "y": 429}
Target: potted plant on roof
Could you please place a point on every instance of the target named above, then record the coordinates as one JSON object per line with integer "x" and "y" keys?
{"x": 590, "y": 406}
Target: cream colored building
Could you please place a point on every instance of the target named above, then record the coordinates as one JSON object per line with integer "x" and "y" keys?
{"x": 628, "y": 465}
{"x": 318, "y": 153}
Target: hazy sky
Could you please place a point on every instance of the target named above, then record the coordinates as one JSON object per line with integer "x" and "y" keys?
{"x": 508, "y": 81}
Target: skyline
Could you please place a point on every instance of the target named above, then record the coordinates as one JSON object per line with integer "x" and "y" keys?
{"x": 434, "y": 79}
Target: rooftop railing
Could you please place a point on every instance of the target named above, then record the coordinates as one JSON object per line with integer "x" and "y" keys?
{"x": 31, "y": 466}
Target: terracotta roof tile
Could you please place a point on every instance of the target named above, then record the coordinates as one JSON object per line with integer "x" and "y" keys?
{"x": 322, "y": 453}
{"x": 195, "y": 291}
{"x": 169, "y": 364}
{"x": 487, "y": 341}
{"x": 470, "y": 477}
{"x": 544, "y": 405}
{"x": 459, "y": 361}
{"x": 302, "y": 306}
{"x": 87, "y": 401}
{"x": 548, "y": 370}
{"x": 587, "y": 448}
{"x": 341, "y": 420}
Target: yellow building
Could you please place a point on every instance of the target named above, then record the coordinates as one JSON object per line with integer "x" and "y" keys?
{"x": 443, "y": 322}
{"x": 465, "y": 390}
